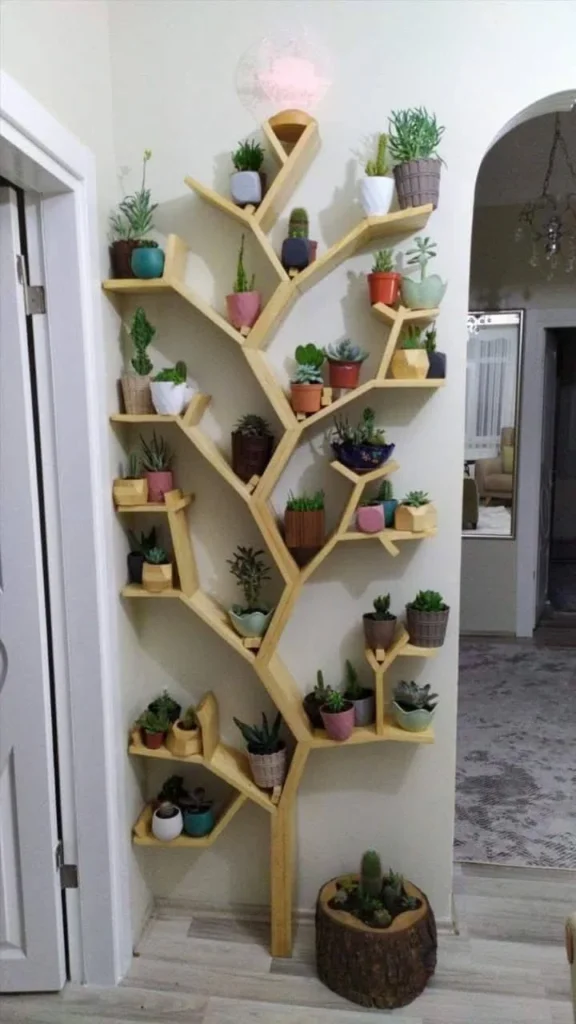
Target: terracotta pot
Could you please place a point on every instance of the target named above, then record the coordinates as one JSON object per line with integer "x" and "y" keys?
{"x": 152, "y": 740}
{"x": 250, "y": 455}
{"x": 158, "y": 484}
{"x": 339, "y": 724}
{"x": 136, "y": 394}
{"x": 344, "y": 375}
{"x": 130, "y": 492}
{"x": 121, "y": 257}
{"x": 378, "y": 633}
{"x": 418, "y": 182}
{"x": 409, "y": 364}
{"x": 268, "y": 770}
{"x": 426, "y": 629}
{"x": 243, "y": 308}
{"x": 416, "y": 520}
{"x": 183, "y": 742}
{"x": 370, "y": 518}
{"x": 384, "y": 288}
{"x": 306, "y": 397}
{"x": 157, "y": 578}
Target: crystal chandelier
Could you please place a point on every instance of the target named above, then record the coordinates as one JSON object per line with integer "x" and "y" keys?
{"x": 550, "y": 220}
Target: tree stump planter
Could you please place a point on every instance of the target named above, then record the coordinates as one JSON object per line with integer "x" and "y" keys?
{"x": 379, "y": 967}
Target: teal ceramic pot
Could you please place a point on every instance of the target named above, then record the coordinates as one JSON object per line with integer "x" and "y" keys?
{"x": 389, "y": 507}
{"x": 250, "y": 623}
{"x": 147, "y": 262}
{"x": 199, "y": 823}
{"x": 414, "y": 721}
{"x": 426, "y": 294}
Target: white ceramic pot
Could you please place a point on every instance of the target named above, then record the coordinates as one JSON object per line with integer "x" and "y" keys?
{"x": 171, "y": 399}
{"x": 246, "y": 187}
{"x": 167, "y": 829}
{"x": 376, "y": 195}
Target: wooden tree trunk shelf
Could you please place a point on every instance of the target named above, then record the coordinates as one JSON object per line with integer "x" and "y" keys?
{"x": 379, "y": 967}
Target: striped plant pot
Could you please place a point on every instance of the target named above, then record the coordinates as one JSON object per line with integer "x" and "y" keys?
{"x": 426, "y": 629}
{"x": 268, "y": 770}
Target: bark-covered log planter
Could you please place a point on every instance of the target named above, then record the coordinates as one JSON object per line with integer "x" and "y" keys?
{"x": 379, "y": 967}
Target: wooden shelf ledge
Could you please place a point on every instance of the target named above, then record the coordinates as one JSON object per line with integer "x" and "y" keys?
{"x": 388, "y": 533}
{"x": 368, "y": 734}
{"x": 390, "y": 466}
{"x": 142, "y": 831}
{"x": 176, "y": 505}
{"x": 407, "y": 316}
{"x": 137, "y": 590}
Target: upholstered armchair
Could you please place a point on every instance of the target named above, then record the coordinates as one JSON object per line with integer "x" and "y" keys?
{"x": 495, "y": 477}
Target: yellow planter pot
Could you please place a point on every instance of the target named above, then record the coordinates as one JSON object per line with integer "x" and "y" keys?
{"x": 416, "y": 520}
{"x": 130, "y": 492}
{"x": 410, "y": 364}
{"x": 157, "y": 577}
{"x": 183, "y": 742}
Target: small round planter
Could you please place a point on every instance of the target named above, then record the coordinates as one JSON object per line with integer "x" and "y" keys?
{"x": 246, "y": 188}
{"x": 312, "y": 709}
{"x": 199, "y": 822}
{"x": 426, "y": 629}
{"x": 344, "y": 375}
{"x": 295, "y": 253}
{"x": 364, "y": 709}
{"x": 409, "y": 364}
{"x": 250, "y": 623}
{"x": 370, "y": 518}
{"x": 418, "y": 183}
{"x": 243, "y": 308}
{"x": 339, "y": 724}
{"x": 389, "y": 507}
{"x": 416, "y": 720}
{"x": 136, "y": 394}
{"x": 384, "y": 288}
{"x": 362, "y": 458}
{"x": 268, "y": 770}
{"x": 437, "y": 367}
{"x": 250, "y": 454}
{"x": 167, "y": 829}
{"x": 158, "y": 484}
{"x": 376, "y": 195}
{"x": 147, "y": 262}
{"x": 157, "y": 578}
{"x": 135, "y": 562}
{"x": 426, "y": 294}
{"x": 306, "y": 398}
{"x": 121, "y": 257}
{"x": 378, "y": 633}
{"x": 152, "y": 740}
{"x": 170, "y": 399}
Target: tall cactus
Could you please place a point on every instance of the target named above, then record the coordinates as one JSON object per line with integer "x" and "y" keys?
{"x": 371, "y": 874}
{"x": 298, "y": 223}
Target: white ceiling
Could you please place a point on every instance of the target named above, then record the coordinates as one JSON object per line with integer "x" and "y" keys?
{"x": 513, "y": 170}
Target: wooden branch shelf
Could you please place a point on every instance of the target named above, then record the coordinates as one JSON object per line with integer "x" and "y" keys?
{"x": 142, "y": 831}
{"x": 368, "y": 734}
{"x": 152, "y": 506}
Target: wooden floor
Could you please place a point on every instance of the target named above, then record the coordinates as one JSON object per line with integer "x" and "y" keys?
{"x": 507, "y": 966}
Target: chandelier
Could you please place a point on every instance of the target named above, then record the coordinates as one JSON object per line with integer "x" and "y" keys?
{"x": 550, "y": 220}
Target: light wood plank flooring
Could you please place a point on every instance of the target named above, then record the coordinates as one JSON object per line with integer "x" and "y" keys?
{"x": 506, "y": 966}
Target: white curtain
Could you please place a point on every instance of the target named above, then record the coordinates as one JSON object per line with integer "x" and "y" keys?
{"x": 491, "y": 373}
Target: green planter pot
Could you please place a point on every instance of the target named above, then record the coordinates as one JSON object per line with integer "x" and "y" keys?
{"x": 199, "y": 823}
{"x": 426, "y": 294}
{"x": 413, "y": 721}
{"x": 147, "y": 262}
{"x": 250, "y": 623}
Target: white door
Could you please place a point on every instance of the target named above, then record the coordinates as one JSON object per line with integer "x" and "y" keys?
{"x": 546, "y": 473}
{"x": 31, "y": 923}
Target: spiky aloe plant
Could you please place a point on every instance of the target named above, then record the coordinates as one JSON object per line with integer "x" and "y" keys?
{"x": 383, "y": 262}
{"x": 264, "y": 739}
{"x": 156, "y": 556}
{"x": 412, "y": 337}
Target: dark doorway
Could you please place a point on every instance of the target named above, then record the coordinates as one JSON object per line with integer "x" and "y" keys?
{"x": 562, "y": 552}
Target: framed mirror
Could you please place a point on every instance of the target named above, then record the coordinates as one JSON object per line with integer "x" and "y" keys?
{"x": 493, "y": 367}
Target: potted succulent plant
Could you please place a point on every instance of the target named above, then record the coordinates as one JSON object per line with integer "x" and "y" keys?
{"x": 153, "y": 728}
{"x": 157, "y": 459}
{"x": 414, "y": 138}
{"x": 314, "y": 700}
{"x": 132, "y": 488}
{"x": 427, "y": 619}
{"x": 156, "y": 571}
{"x": 410, "y": 361}
{"x": 297, "y": 249}
{"x": 304, "y": 525}
{"x": 360, "y": 696}
{"x": 174, "y": 791}
{"x": 136, "y": 386}
{"x": 250, "y": 571}
{"x": 245, "y": 302}
{"x": 167, "y": 822}
{"x": 437, "y": 360}
{"x": 166, "y": 705}
{"x": 136, "y": 555}
{"x": 337, "y": 716}
{"x": 384, "y": 281}
{"x": 147, "y": 259}
{"x": 198, "y": 812}
{"x": 370, "y": 515}
{"x": 252, "y": 446}
{"x": 389, "y": 502}
{"x": 266, "y": 751}
{"x": 247, "y": 182}
{"x": 379, "y": 625}
{"x": 171, "y": 391}
{"x": 361, "y": 448}
{"x": 413, "y": 708}
{"x": 344, "y": 362}
{"x": 307, "y": 383}
{"x": 428, "y": 292}
{"x": 416, "y": 513}
{"x": 184, "y": 737}
{"x": 377, "y": 188}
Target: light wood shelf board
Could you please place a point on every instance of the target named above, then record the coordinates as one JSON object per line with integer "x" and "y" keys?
{"x": 393, "y": 535}
{"x": 307, "y": 570}
{"x": 427, "y": 384}
{"x": 208, "y": 717}
{"x": 219, "y": 201}
{"x": 282, "y": 859}
{"x": 208, "y": 311}
{"x": 208, "y": 448}
{"x": 274, "y": 312}
{"x": 276, "y": 147}
{"x": 288, "y": 177}
{"x": 361, "y": 734}
{"x": 412, "y": 651}
{"x": 233, "y": 766}
{"x": 149, "y": 417}
{"x": 137, "y": 285}
{"x": 366, "y": 478}
{"x": 276, "y": 396}
{"x": 142, "y": 832}
{"x": 394, "y": 733}
{"x": 215, "y": 617}
{"x": 183, "y": 552}
{"x": 139, "y": 749}
{"x": 286, "y": 695}
{"x": 137, "y": 590}
{"x": 268, "y": 249}
{"x": 266, "y": 522}
{"x": 368, "y": 734}
{"x": 157, "y": 506}
{"x": 282, "y": 455}
{"x": 195, "y": 410}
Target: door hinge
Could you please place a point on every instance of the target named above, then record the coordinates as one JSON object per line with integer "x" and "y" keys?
{"x": 68, "y": 872}
{"x": 34, "y": 294}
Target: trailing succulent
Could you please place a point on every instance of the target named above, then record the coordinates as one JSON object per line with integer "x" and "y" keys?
{"x": 309, "y": 359}
{"x": 263, "y": 739}
{"x": 412, "y": 697}
{"x": 345, "y": 352}
{"x": 305, "y": 502}
{"x": 249, "y": 156}
{"x": 134, "y": 218}
{"x": 374, "y": 898}
{"x": 428, "y": 601}
{"x": 250, "y": 570}
{"x": 252, "y": 426}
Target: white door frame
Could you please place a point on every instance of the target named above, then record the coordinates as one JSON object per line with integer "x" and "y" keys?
{"x": 91, "y": 740}
{"x": 536, "y": 323}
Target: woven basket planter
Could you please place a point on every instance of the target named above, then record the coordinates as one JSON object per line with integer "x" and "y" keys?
{"x": 268, "y": 770}
{"x": 426, "y": 629}
{"x": 136, "y": 394}
{"x": 418, "y": 183}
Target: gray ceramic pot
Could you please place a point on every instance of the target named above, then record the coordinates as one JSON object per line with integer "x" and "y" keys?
{"x": 378, "y": 633}
{"x": 426, "y": 294}
{"x": 418, "y": 182}
{"x": 364, "y": 709}
{"x": 413, "y": 721}
{"x": 250, "y": 623}
{"x": 426, "y": 629}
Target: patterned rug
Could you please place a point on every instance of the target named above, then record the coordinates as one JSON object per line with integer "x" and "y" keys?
{"x": 516, "y": 769}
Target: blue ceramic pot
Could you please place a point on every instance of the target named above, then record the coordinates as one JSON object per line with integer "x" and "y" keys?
{"x": 147, "y": 262}
{"x": 199, "y": 823}
{"x": 361, "y": 458}
{"x": 389, "y": 510}
{"x": 437, "y": 367}
{"x": 249, "y": 623}
{"x": 413, "y": 721}
{"x": 295, "y": 253}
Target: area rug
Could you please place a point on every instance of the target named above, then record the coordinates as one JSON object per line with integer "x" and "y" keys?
{"x": 516, "y": 768}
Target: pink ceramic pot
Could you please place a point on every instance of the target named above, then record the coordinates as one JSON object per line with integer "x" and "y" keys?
{"x": 370, "y": 518}
{"x": 158, "y": 484}
{"x": 339, "y": 724}
{"x": 243, "y": 308}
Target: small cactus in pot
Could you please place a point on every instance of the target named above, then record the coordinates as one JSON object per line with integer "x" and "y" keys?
{"x": 296, "y": 249}
{"x": 361, "y": 697}
{"x": 338, "y": 716}
{"x": 244, "y": 303}
{"x": 314, "y": 700}
{"x": 379, "y": 625}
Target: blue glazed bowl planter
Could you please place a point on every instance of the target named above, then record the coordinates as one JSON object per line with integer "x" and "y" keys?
{"x": 199, "y": 822}
{"x": 362, "y": 458}
{"x": 148, "y": 262}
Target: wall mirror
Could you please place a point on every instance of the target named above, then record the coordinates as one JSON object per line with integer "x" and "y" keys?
{"x": 493, "y": 366}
